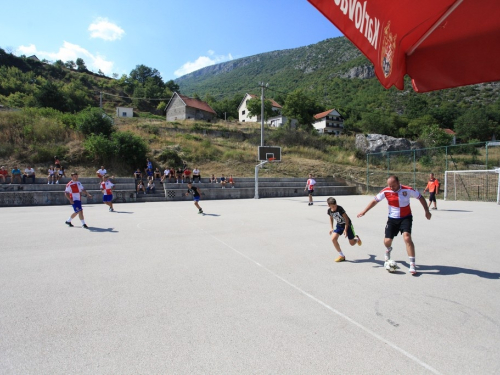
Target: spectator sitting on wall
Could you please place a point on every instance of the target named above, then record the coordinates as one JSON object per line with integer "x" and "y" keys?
{"x": 138, "y": 174}
{"x": 140, "y": 186}
{"x": 101, "y": 173}
{"x": 213, "y": 179}
{"x": 61, "y": 173}
{"x": 157, "y": 173}
{"x": 223, "y": 181}
{"x": 29, "y": 172}
{"x": 151, "y": 187}
{"x": 3, "y": 174}
{"x": 196, "y": 175}
{"x": 179, "y": 174}
{"x": 231, "y": 181}
{"x": 187, "y": 174}
{"x": 16, "y": 175}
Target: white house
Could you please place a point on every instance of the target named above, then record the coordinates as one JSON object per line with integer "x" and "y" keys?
{"x": 281, "y": 120}
{"x": 124, "y": 112}
{"x": 243, "y": 115}
{"x": 329, "y": 122}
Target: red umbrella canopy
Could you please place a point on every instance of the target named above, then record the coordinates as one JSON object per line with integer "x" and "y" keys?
{"x": 438, "y": 43}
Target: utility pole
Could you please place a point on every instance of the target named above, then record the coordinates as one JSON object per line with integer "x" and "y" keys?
{"x": 262, "y": 86}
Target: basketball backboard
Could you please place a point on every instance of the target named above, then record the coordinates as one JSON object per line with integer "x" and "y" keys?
{"x": 269, "y": 152}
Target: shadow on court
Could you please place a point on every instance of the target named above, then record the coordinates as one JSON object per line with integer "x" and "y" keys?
{"x": 100, "y": 230}
{"x": 204, "y": 214}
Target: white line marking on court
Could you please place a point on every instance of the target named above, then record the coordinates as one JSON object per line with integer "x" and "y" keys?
{"x": 335, "y": 311}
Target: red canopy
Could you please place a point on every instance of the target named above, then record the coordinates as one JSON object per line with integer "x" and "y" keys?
{"x": 438, "y": 43}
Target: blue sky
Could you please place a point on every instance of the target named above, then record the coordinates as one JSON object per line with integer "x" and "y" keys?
{"x": 173, "y": 36}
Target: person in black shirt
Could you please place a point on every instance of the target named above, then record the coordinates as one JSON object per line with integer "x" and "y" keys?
{"x": 196, "y": 193}
{"x": 344, "y": 226}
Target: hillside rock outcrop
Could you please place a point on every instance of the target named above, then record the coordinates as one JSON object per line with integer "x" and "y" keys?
{"x": 373, "y": 143}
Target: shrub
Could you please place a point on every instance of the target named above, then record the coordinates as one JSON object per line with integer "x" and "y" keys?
{"x": 129, "y": 148}
{"x": 99, "y": 148}
{"x": 170, "y": 157}
{"x": 94, "y": 121}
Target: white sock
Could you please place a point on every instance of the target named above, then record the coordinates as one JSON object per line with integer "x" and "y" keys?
{"x": 83, "y": 222}
{"x": 69, "y": 220}
{"x": 341, "y": 254}
{"x": 412, "y": 260}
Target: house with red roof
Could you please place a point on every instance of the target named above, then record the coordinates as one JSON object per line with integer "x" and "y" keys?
{"x": 243, "y": 115}
{"x": 329, "y": 122}
{"x": 181, "y": 107}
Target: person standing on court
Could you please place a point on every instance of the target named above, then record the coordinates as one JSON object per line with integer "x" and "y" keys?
{"x": 73, "y": 192}
{"x": 107, "y": 188}
{"x": 196, "y": 193}
{"x": 310, "y": 188}
{"x": 433, "y": 187}
{"x": 400, "y": 216}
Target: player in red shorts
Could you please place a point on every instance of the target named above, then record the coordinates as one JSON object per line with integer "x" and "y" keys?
{"x": 400, "y": 217}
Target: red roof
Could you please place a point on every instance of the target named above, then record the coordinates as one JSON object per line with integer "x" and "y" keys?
{"x": 323, "y": 114}
{"x": 275, "y": 104}
{"x": 196, "y": 103}
{"x": 449, "y": 131}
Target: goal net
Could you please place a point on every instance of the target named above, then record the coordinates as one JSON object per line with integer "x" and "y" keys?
{"x": 480, "y": 185}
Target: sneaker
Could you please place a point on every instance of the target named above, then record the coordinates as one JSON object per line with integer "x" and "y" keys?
{"x": 200, "y": 211}
{"x": 111, "y": 210}
{"x": 388, "y": 254}
{"x": 412, "y": 269}
{"x": 48, "y": 183}
{"x": 57, "y": 182}
{"x": 68, "y": 223}
{"x": 340, "y": 258}
{"x": 359, "y": 240}
{"x": 85, "y": 226}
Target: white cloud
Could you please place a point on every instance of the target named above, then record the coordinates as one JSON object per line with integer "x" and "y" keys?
{"x": 202, "y": 62}
{"x": 70, "y": 51}
{"x": 104, "y": 29}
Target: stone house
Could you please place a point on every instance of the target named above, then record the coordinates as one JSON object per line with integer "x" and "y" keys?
{"x": 181, "y": 107}
{"x": 243, "y": 115}
{"x": 329, "y": 122}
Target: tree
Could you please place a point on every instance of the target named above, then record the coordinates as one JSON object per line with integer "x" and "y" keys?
{"x": 70, "y": 64}
{"x": 81, "y": 67}
{"x": 59, "y": 64}
{"x": 141, "y": 73}
{"x": 254, "y": 107}
{"x": 475, "y": 124}
{"x": 173, "y": 87}
{"x": 100, "y": 72}
{"x": 301, "y": 107}
{"x": 49, "y": 95}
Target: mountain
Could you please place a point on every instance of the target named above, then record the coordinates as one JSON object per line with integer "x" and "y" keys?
{"x": 284, "y": 70}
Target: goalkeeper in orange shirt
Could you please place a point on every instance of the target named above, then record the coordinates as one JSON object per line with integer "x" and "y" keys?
{"x": 433, "y": 187}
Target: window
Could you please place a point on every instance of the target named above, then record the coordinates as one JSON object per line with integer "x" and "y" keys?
{"x": 124, "y": 114}
{"x": 242, "y": 112}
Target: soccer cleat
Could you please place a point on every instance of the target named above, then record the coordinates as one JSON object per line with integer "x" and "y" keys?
{"x": 85, "y": 226}
{"x": 340, "y": 259}
{"x": 200, "y": 211}
{"x": 68, "y": 223}
{"x": 412, "y": 269}
{"x": 388, "y": 254}
{"x": 359, "y": 240}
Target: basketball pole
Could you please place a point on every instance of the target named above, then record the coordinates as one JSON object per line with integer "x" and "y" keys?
{"x": 257, "y": 167}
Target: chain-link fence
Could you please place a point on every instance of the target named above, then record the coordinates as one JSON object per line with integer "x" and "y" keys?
{"x": 414, "y": 166}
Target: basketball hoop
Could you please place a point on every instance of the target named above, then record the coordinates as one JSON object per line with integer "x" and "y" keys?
{"x": 271, "y": 159}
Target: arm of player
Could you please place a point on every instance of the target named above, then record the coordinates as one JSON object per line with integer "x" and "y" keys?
{"x": 423, "y": 202}
{"x": 372, "y": 204}
{"x": 331, "y": 225}
{"x": 87, "y": 194}
{"x": 68, "y": 197}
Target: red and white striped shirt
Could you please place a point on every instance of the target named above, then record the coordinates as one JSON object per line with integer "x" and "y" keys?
{"x": 74, "y": 188}
{"x": 106, "y": 187}
{"x": 399, "y": 201}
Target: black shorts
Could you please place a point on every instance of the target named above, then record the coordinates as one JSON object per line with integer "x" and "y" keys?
{"x": 432, "y": 197}
{"x": 310, "y": 192}
{"x": 395, "y": 226}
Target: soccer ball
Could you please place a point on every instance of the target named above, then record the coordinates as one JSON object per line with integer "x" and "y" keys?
{"x": 391, "y": 265}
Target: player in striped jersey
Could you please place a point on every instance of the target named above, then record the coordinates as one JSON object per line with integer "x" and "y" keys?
{"x": 73, "y": 192}
{"x": 107, "y": 188}
{"x": 400, "y": 217}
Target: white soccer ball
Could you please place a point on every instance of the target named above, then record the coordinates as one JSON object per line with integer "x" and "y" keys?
{"x": 391, "y": 265}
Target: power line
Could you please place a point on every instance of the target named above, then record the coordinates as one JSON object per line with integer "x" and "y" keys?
{"x": 132, "y": 98}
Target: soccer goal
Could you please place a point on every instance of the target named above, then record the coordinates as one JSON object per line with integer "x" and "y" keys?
{"x": 479, "y": 185}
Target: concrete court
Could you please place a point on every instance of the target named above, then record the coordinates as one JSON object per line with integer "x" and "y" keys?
{"x": 248, "y": 288}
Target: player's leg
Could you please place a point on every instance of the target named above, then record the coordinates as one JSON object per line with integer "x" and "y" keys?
{"x": 352, "y": 236}
{"x": 406, "y": 226}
